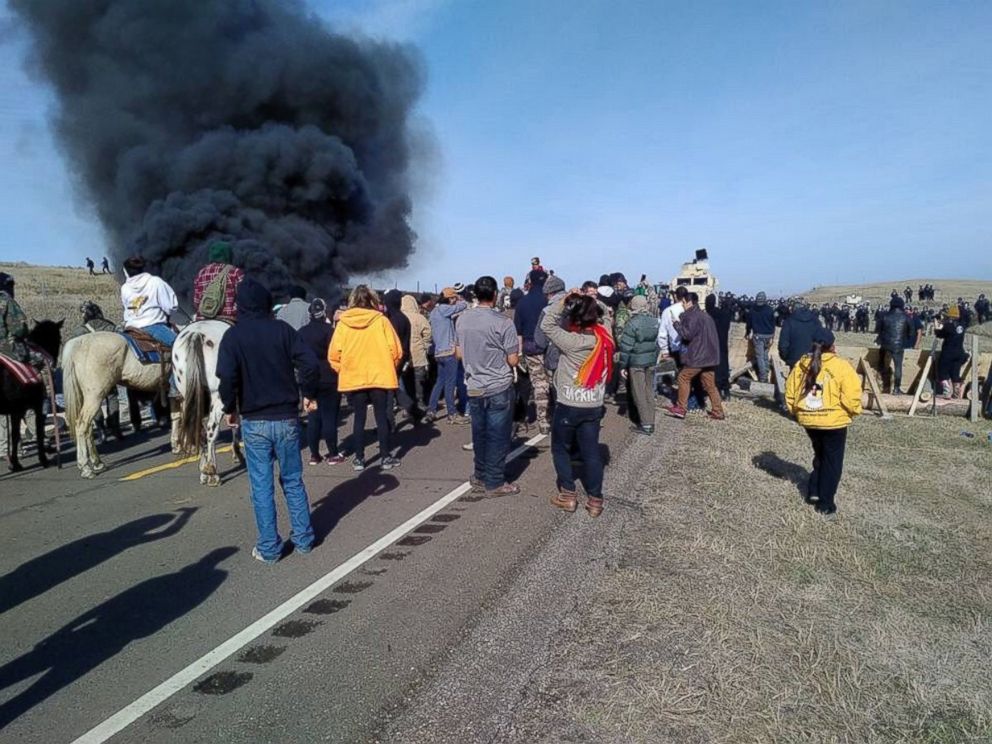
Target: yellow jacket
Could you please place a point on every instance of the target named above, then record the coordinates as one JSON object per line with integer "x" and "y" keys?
{"x": 364, "y": 351}
{"x": 835, "y": 399}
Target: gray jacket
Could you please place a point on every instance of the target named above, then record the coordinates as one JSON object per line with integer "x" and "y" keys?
{"x": 575, "y": 349}
{"x": 442, "y": 320}
{"x": 296, "y": 312}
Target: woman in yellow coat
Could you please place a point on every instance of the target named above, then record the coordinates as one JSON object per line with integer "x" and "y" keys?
{"x": 365, "y": 352}
{"x": 823, "y": 392}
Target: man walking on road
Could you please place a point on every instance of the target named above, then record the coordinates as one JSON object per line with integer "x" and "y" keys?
{"x": 761, "y": 329}
{"x": 255, "y": 364}
{"x": 488, "y": 346}
{"x": 699, "y": 359}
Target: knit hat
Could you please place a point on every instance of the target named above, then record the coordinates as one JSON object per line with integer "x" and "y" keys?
{"x": 897, "y": 303}
{"x": 554, "y": 285}
{"x": 823, "y": 336}
{"x": 761, "y": 299}
{"x": 220, "y": 252}
{"x": 638, "y": 304}
{"x": 318, "y": 309}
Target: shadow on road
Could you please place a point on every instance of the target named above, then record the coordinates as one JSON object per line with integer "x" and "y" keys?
{"x": 776, "y": 467}
{"x": 100, "y": 634}
{"x": 47, "y": 571}
{"x": 345, "y": 496}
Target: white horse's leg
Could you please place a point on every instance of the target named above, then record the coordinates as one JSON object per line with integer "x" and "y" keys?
{"x": 87, "y": 458}
{"x": 214, "y": 417}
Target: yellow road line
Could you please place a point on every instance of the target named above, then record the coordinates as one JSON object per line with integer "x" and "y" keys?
{"x": 169, "y": 465}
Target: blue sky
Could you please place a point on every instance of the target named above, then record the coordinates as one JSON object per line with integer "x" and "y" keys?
{"x": 801, "y": 143}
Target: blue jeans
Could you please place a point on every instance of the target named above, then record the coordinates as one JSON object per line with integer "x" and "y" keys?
{"x": 265, "y": 443}
{"x": 571, "y": 426}
{"x": 163, "y": 333}
{"x": 461, "y": 388}
{"x": 762, "y": 344}
{"x": 447, "y": 373}
{"x": 492, "y": 430}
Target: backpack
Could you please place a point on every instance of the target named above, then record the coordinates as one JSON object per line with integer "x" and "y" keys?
{"x": 212, "y": 301}
{"x": 620, "y": 318}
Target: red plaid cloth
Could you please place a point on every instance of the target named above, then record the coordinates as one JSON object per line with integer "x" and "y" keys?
{"x": 23, "y": 373}
{"x": 206, "y": 275}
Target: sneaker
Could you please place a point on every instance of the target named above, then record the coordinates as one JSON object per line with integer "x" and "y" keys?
{"x": 469, "y": 447}
{"x": 302, "y": 550}
{"x": 389, "y": 462}
{"x": 647, "y": 430}
{"x": 358, "y": 464}
{"x": 716, "y": 416}
{"x": 898, "y": 391}
{"x": 335, "y": 459}
{"x": 315, "y": 460}
{"x": 477, "y": 485}
{"x": 259, "y": 557}
{"x": 507, "y": 489}
{"x": 675, "y": 411}
{"x": 428, "y": 418}
{"x": 459, "y": 419}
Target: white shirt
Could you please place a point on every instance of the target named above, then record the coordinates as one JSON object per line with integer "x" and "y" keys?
{"x": 669, "y": 340}
{"x": 147, "y": 300}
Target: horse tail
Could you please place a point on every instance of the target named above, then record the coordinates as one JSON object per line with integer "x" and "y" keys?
{"x": 71, "y": 388}
{"x": 194, "y": 394}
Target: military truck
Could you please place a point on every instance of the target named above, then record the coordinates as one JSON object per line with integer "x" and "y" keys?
{"x": 696, "y": 277}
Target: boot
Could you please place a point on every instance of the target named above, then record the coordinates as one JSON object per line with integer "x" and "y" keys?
{"x": 566, "y": 500}
{"x": 594, "y": 506}
{"x": 959, "y": 390}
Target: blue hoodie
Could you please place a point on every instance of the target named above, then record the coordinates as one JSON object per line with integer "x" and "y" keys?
{"x": 257, "y": 358}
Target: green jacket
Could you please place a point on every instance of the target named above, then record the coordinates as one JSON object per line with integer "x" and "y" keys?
{"x": 639, "y": 342}
{"x": 13, "y": 323}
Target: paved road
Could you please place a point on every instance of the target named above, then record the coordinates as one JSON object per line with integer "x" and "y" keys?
{"x": 109, "y": 588}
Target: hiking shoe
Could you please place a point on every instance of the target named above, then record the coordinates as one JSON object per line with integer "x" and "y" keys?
{"x": 335, "y": 459}
{"x": 898, "y": 391}
{"x": 675, "y": 411}
{"x": 565, "y": 500}
{"x": 648, "y": 430}
{"x": 459, "y": 419}
{"x": 389, "y": 462}
{"x": 594, "y": 506}
{"x": 315, "y": 460}
{"x": 477, "y": 485}
{"x": 717, "y": 416}
{"x": 259, "y": 557}
{"x": 507, "y": 489}
{"x": 358, "y": 464}
{"x": 470, "y": 447}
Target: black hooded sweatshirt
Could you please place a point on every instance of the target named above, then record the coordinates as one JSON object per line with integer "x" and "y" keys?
{"x": 796, "y": 338}
{"x": 257, "y": 358}
{"x": 401, "y": 324}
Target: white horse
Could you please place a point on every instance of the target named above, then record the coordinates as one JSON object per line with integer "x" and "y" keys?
{"x": 91, "y": 366}
{"x": 194, "y": 357}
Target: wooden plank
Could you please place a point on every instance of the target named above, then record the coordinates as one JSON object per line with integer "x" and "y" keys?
{"x": 976, "y": 398}
{"x": 779, "y": 377}
{"x": 738, "y": 372}
{"x": 883, "y": 411}
{"x": 922, "y": 384}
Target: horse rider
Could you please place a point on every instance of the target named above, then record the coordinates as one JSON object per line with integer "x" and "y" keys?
{"x": 93, "y": 322}
{"x": 148, "y": 302}
{"x": 14, "y": 326}
{"x": 221, "y": 276}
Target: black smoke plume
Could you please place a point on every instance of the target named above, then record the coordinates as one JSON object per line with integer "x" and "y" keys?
{"x": 191, "y": 120}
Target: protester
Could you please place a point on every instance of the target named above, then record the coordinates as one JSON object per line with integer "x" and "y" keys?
{"x": 403, "y": 396}
{"x": 323, "y": 423}
{"x": 90, "y": 265}
{"x": 893, "y": 335}
{"x": 525, "y": 319}
{"x": 952, "y": 354}
{"x": 585, "y": 364}
{"x": 722, "y": 319}
{"x": 105, "y": 266}
{"x": 503, "y": 300}
{"x": 638, "y": 358}
{"x": 297, "y": 311}
{"x": 216, "y": 285}
{"x": 488, "y": 346}
{"x": 761, "y": 330}
{"x": 442, "y": 320}
{"x": 148, "y": 302}
{"x": 365, "y": 352}
{"x": 700, "y": 357}
{"x": 796, "y": 337}
{"x": 823, "y": 392}
{"x": 669, "y": 341}
{"x": 420, "y": 344}
{"x": 13, "y": 322}
{"x": 259, "y": 362}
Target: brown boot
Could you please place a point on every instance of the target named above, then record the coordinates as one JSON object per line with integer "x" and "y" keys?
{"x": 567, "y": 500}
{"x": 594, "y": 506}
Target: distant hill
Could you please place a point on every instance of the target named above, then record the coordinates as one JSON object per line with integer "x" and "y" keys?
{"x": 946, "y": 290}
{"x": 54, "y": 292}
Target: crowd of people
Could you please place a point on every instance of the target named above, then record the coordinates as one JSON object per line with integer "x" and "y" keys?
{"x": 504, "y": 360}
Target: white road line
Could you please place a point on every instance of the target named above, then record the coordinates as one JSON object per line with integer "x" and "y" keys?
{"x": 124, "y": 718}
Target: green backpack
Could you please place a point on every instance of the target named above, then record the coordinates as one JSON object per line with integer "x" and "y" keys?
{"x": 212, "y": 301}
{"x": 620, "y": 319}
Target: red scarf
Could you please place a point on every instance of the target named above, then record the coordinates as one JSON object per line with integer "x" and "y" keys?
{"x": 598, "y": 367}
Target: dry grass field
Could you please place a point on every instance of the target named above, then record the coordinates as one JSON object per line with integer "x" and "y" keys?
{"x": 53, "y": 292}
{"x": 737, "y": 614}
{"x": 945, "y": 290}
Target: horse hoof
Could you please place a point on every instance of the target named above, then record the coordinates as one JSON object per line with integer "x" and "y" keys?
{"x": 213, "y": 481}
{"x": 98, "y": 468}
{"x": 87, "y": 474}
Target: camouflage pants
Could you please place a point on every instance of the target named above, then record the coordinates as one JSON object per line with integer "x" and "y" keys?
{"x": 541, "y": 384}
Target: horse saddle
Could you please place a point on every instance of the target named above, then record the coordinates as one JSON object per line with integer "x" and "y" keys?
{"x": 24, "y": 372}
{"x": 146, "y": 348}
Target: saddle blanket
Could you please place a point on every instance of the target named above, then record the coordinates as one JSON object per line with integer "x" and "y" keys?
{"x": 144, "y": 356}
{"x": 25, "y": 374}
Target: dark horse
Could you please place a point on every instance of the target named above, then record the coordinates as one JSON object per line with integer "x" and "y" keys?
{"x": 16, "y": 399}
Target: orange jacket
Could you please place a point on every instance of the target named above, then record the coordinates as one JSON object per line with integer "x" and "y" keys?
{"x": 364, "y": 351}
